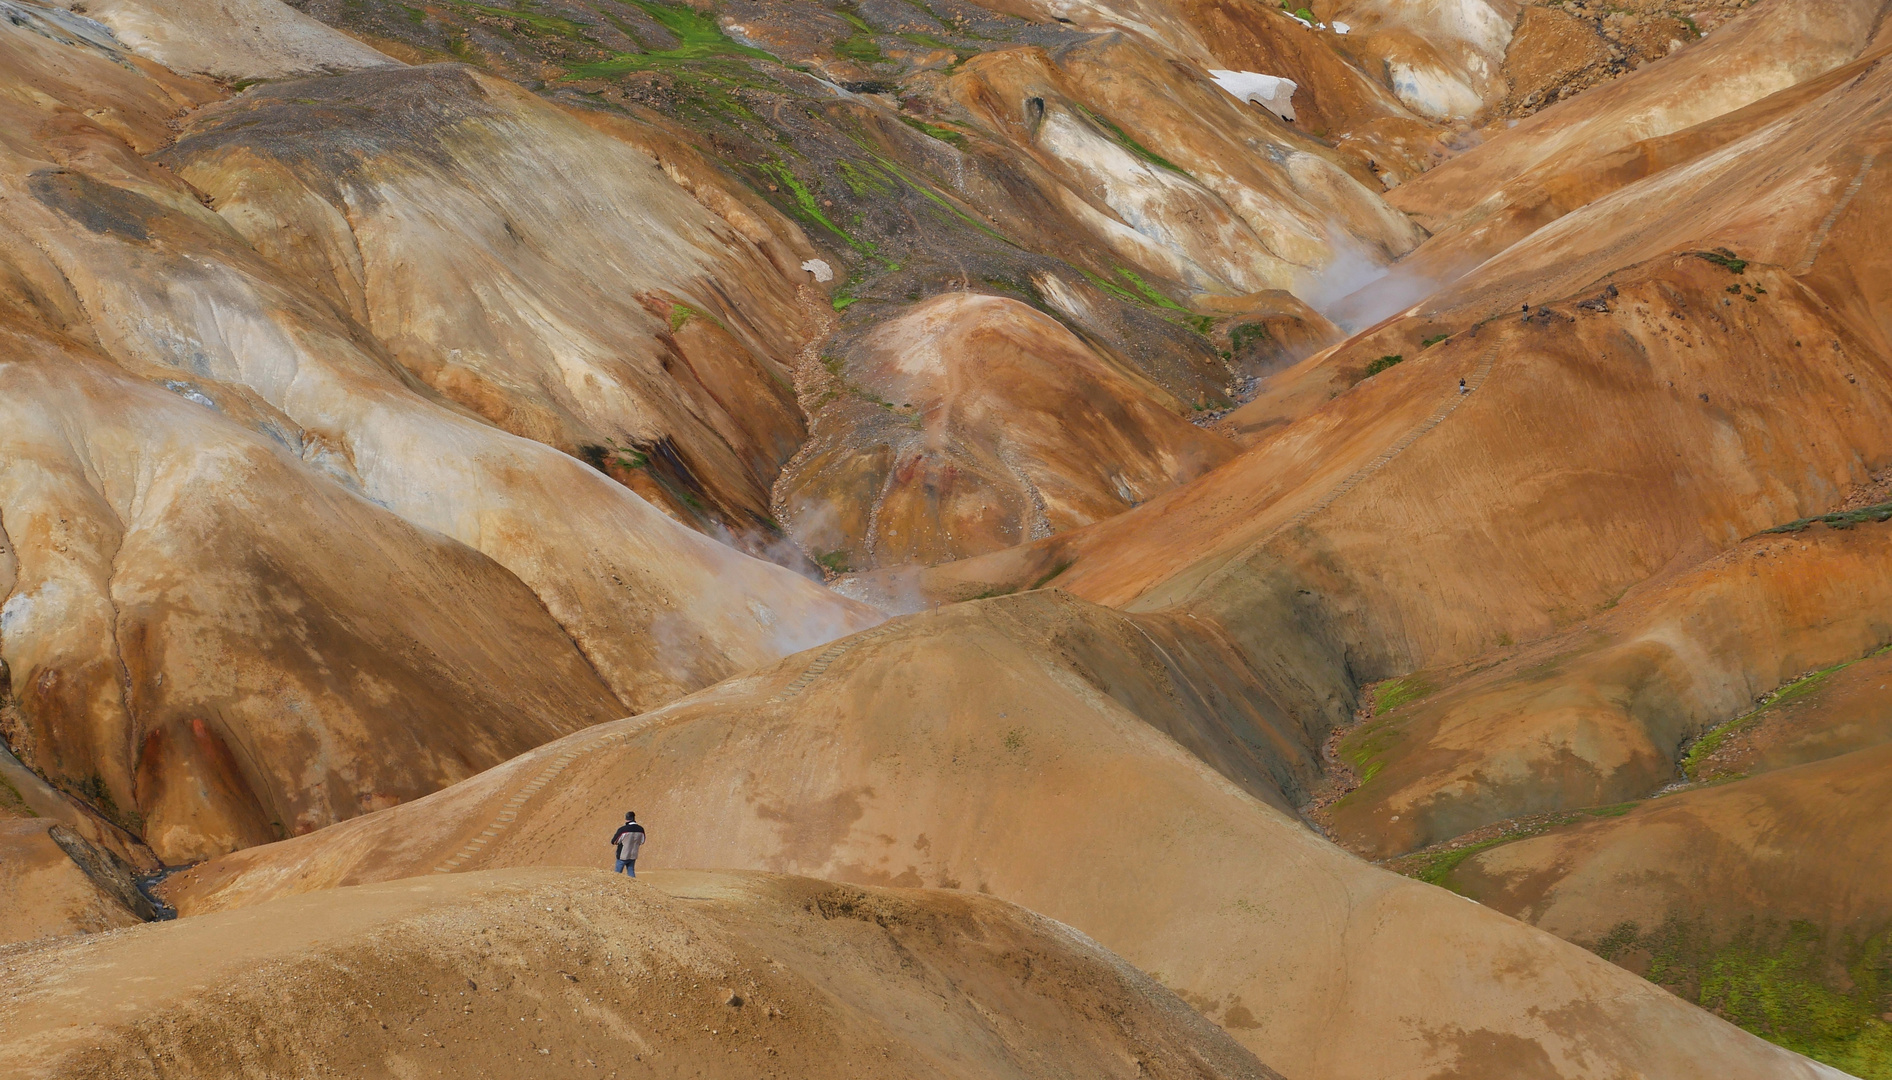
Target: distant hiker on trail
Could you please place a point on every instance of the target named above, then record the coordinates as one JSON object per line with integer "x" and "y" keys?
{"x": 1462, "y": 387}
{"x": 628, "y": 840}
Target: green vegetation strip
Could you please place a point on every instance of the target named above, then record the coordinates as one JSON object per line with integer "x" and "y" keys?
{"x": 1201, "y": 324}
{"x": 545, "y": 24}
{"x": 1723, "y": 258}
{"x": 1845, "y": 519}
{"x": 1434, "y": 865}
{"x": 1363, "y": 746}
{"x": 939, "y": 200}
{"x": 810, "y": 207}
{"x": 1130, "y": 144}
{"x": 1717, "y": 736}
{"x": 1393, "y": 693}
{"x": 945, "y": 135}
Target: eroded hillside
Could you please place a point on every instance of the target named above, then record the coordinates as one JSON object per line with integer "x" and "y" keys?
{"x": 1452, "y": 436}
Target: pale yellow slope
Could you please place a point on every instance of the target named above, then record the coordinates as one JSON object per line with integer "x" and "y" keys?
{"x": 218, "y": 644}
{"x": 106, "y": 247}
{"x": 544, "y": 273}
{"x": 535, "y": 973}
{"x": 229, "y": 39}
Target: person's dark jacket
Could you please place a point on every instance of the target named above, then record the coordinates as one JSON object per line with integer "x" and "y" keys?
{"x": 628, "y": 839}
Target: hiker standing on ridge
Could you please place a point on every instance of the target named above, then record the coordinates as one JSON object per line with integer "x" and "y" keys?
{"x": 628, "y": 840}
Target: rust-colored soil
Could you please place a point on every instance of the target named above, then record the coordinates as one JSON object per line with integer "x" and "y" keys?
{"x": 1602, "y": 713}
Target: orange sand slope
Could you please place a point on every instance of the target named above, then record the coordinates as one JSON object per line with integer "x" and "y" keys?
{"x": 1654, "y": 407}
{"x": 1598, "y": 714}
{"x": 997, "y": 746}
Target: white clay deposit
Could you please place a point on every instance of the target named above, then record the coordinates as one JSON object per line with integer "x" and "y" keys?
{"x": 1269, "y": 91}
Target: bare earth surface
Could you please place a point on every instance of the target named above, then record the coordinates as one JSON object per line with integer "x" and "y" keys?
{"x": 983, "y": 747}
{"x": 1091, "y": 531}
{"x": 522, "y": 973}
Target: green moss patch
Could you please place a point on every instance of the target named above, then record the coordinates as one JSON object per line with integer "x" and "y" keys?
{"x": 1109, "y": 286}
{"x": 859, "y": 46}
{"x": 12, "y": 802}
{"x": 865, "y": 179}
{"x": 1055, "y": 571}
{"x": 1363, "y": 749}
{"x": 1384, "y": 362}
{"x": 1434, "y": 865}
{"x": 941, "y": 202}
{"x": 1393, "y": 693}
{"x": 1817, "y": 993}
{"x": 1201, "y": 324}
{"x": 808, "y": 207}
{"x": 698, "y": 38}
{"x": 1248, "y": 334}
{"x": 543, "y": 24}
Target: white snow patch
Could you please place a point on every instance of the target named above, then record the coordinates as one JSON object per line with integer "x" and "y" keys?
{"x": 820, "y": 269}
{"x": 1269, "y": 91}
{"x": 1341, "y": 28}
{"x": 189, "y": 393}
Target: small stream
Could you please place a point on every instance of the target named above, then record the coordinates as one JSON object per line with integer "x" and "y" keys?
{"x": 147, "y": 887}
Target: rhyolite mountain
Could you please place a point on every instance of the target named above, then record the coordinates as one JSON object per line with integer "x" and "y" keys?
{"x": 1093, "y": 562}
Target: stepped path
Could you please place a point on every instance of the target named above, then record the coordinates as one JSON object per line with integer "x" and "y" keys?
{"x": 821, "y": 663}
{"x": 1359, "y": 476}
{"x": 1818, "y": 239}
